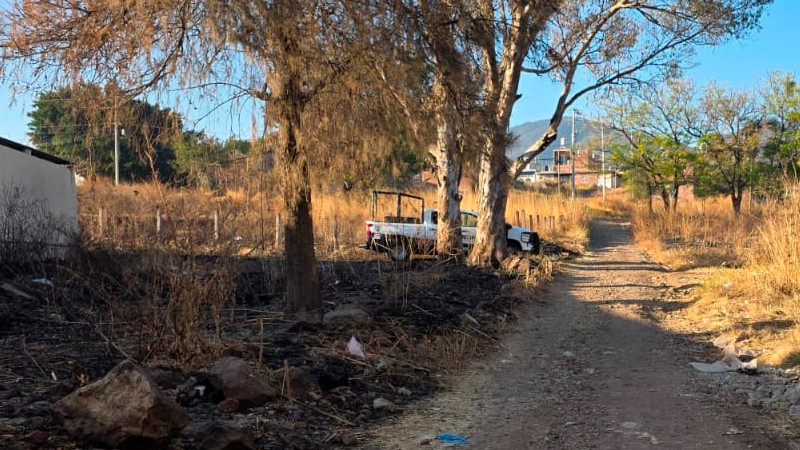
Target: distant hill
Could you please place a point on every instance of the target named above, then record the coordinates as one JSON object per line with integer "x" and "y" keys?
{"x": 528, "y": 133}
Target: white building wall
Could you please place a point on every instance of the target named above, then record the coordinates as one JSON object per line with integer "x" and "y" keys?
{"x": 42, "y": 181}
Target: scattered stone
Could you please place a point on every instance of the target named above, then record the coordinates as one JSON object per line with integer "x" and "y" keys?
{"x": 381, "y": 404}
{"x": 237, "y": 379}
{"x": 568, "y": 354}
{"x": 345, "y": 317}
{"x": 405, "y": 392}
{"x": 426, "y": 439}
{"x": 229, "y": 405}
{"x": 125, "y": 404}
{"x": 794, "y": 410}
{"x": 37, "y": 437}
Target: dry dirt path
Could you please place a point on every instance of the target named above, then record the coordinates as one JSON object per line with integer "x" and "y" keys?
{"x": 588, "y": 367}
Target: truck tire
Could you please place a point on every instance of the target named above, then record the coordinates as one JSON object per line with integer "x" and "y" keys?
{"x": 536, "y": 244}
{"x": 513, "y": 247}
{"x": 399, "y": 250}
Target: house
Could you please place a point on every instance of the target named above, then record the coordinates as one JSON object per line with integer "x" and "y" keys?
{"x": 38, "y": 204}
{"x": 588, "y": 170}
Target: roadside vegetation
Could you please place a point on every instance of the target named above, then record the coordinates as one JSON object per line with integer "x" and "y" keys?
{"x": 751, "y": 264}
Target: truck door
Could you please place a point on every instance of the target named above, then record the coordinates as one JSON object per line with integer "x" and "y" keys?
{"x": 469, "y": 222}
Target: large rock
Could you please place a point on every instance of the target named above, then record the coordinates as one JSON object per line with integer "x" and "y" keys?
{"x": 345, "y": 317}
{"x": 126, "y": 404}
{"x": 237, "y": 379}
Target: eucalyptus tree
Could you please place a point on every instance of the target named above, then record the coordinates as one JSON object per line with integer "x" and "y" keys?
{"x": 583, "y": 46}
{"x": 301, "y": 59}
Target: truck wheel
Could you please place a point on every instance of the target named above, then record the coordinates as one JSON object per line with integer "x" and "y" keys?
{"x": 513, "y": 247}
{"x": 399, "y": 250}
{"x": 536, "y": 244}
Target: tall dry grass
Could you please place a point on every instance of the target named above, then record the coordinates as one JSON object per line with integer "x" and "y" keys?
{"x": 753, "y": 294}
{"x": 701, "y": 233}
{"x": 128, "y": 216}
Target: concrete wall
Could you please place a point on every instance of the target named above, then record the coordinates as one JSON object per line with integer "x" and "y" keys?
{"x": 48, "y": 185}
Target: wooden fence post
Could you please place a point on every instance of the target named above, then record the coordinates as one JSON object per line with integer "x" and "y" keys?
{"x": 158, "y": 222}
{"x": 277, "y": 231}
{"x": 216, "y": 225}
{"x": 336, "y": 232}
{"x": 516, "y": 218}
{"x": 100, "y": 222}
{"x": 530, "y": 222}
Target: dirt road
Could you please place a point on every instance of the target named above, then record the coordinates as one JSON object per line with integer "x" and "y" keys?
{"x": 588, "y": 367}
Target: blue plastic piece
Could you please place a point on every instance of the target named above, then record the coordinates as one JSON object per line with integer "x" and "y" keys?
{"x": 455, "y": 439}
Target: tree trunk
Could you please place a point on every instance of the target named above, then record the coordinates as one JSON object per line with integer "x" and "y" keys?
{"x": 303, "y": 301}
{"x": 665, "y": 199}
{"x": 675, "y": 192}
{"x": 448, "y": 174}
{"x": 494, "y": 181}
{"x": 736, "y": 202}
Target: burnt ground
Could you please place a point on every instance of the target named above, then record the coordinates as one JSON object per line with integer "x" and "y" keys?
{"x": 63, "y": 326}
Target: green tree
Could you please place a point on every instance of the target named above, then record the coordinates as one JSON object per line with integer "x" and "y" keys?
{"x": 77, "y": 123}
{"x": 780, "y": 97}
{"x": 661, "y": 127}
{"x": 731, "y": 145}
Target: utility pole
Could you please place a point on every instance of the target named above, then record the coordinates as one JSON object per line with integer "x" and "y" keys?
{"x": 116, "y": 145}
{"x": 603, "y": 157}
{"x": 572, "y": 159}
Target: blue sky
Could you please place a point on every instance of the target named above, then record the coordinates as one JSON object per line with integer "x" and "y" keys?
{"x": 737, "y": 64}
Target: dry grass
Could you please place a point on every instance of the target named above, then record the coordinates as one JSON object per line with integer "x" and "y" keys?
{"x": 754, "y": 292}
{"x": 126, "y": 217}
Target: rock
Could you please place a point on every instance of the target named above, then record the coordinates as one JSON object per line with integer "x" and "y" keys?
{"x": 125, "y": 404}
{"x": 794, "y": 410}
{"x": 349, "y": 440}
{"x": 426, "y": 439}
{"x": 381, "y": 404}
{"x": 405, "y": 392}
{"x": 37, "y": 437}
{"x": 300, "y": 383}
{"x": 224, "y": 436}
{"x": 237, "y": 379}
{"x": 792, "y": 395}
{"x": 345, "y": 317}
{"x": 229, "y": 405}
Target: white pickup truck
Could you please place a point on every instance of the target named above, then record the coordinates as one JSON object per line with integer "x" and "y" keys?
{"x": 401, "y": 236}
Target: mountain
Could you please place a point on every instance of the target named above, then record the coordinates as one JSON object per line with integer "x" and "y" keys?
{"x": 528, "y": 133}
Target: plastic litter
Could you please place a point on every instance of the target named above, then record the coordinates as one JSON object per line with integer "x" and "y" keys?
{"x": 354, "y": 348}
{"x": 736, "y": 359}
{"x": 452, "y": 439}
